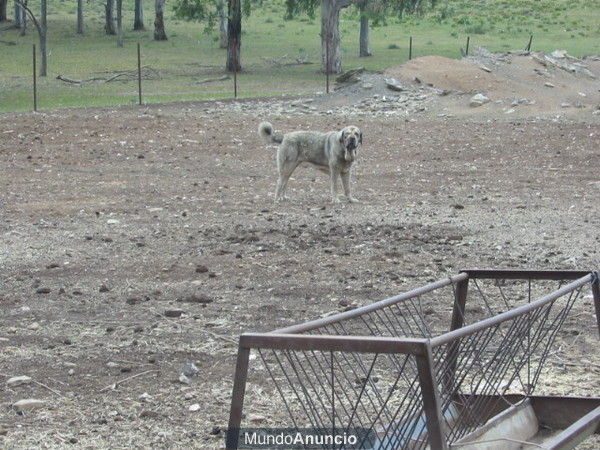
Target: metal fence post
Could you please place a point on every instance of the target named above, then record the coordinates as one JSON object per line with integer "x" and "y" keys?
{"x": 467, "y": 49}
{"x": 458, "y": 316}
{"x": 34, "y": 80}
{"x": 139, "y": 67}
{"x": 327, "y": 63}
{"x": 410, "y": 48}
{"x": 596, "y": 295}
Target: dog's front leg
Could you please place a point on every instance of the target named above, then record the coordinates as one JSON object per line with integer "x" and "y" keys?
{"x": 346, "y": 184}
{"x": 334, "y": 175}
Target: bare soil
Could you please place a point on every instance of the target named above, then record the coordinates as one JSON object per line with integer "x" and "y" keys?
{"x": 110, "y": 216}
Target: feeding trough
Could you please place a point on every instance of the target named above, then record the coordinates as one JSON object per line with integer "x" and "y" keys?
{"x": 455, "y": 364}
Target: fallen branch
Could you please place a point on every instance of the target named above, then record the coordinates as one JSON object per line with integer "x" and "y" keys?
{"x": 49, "y": 388}
{"x": 210, "y": 80}
{"x": 220, "y": 336}
{"x": 8, "y": 42}
{"x": 70, "y": 80}
{"x": 119, "y": 382}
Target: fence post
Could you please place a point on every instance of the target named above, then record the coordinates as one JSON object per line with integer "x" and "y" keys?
{"x": 34, "y": 80}
{"x": 139, "y": 67}
{"x": 327, "y": 64}
{"x": 410, "y": 48}
{"x": 529, "y": 44}
{"x": 235, "y": 69}
{"x": 467, "y": 50}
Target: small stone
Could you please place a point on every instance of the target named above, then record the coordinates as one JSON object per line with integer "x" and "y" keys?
{"x": 52, "y": 266}
{"x": 215, "y": 431}
{"x": 71, "y": 372}
{"x": 112, "y": 364}
{"x": 43, "y": 290}
{"x": 148, "y": 414}
{"x": 103, "y": 288}
{"x": 195, "y": 407}
{"x": 183, "y": 379}
{"x": 196, "y": 298}
{"x": 67, "y": 341}
{"x": 201, "y": 268}
{"x": 28, "y": 404}
{"x": 138, "y": 329}
{"x": 478, "y": 100}
{"x": 548, "y": 84}
{"x": 34, "y": 326}
{"x": 486, "y": 69}
{"x": 145, "y": 397}
{"x": 173, "y": 312}
{"x": 18, "y": 381}
{"x": 189, "y": 369}
{"x": 256, "y": 418}
{"x": 394, "y": 84}
{"x": 113, "y": 221}
{"x": 133, "y": 300}
{"x": 458, "y": 206}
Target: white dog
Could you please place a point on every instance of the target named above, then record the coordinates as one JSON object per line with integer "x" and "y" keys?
{"x": 332, "y": 152}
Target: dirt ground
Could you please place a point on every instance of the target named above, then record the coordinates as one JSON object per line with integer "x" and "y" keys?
{"x": 111, "y": 217}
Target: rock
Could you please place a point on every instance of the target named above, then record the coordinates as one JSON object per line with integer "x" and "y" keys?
{"x": 28, "y": 404}
{"x": 113, "y": 221}
{"x": 394, "y": 84}
{"x": 34, "y": 326}
{"x": 183, "y": 379}
{"x": 145, "y": 397}
{"x": 256, "y": 418}
{"x": 195, "y": 407}
{"x": 17, "y": 381}
{"x": 173, "y": 312}
{"x": 148, "y": 414}
{"x": 103, "y": 288}
{"x": 201, "y": 268}
{"x": 133, "y": 300}
{"x": 367, "y": 86}
{"x": 52, "y": 266}
{"x": 112, "y": 364}
{"x": 486, "y": 69}
{"x": 350, "y": 76}
{"x": 196, "y": 298}
{"x": 548, "y": 84}
{"x": 43, "y": 290}
{"x": 478, "y": 100}
{"x": 189, "y": 369}
{"x": 458, "y": 206}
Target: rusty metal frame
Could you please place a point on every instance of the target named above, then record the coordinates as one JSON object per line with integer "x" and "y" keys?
{"x": 292, "y": 338}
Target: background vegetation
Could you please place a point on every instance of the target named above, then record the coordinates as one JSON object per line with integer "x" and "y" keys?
{"x": 269, "y": 44}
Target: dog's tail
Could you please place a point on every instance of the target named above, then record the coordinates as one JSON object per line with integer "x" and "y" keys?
{"x": 265, "y": 129}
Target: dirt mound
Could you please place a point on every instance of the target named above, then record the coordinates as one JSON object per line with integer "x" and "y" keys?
{"x": 445, "y": 73}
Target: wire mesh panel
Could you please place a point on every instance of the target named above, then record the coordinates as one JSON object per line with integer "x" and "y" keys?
{"x": 419, "y": 370}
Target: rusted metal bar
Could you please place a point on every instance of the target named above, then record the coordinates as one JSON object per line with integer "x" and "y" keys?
{"x": 526, "y": 274}
{"x": 139, "y": 72}
{"x": 458, "y": 315}
{"x": 34, "y": 80}
{"x": 360, "y": 344}
{"x": 596, "y": 295}
{"x": 576, "y": 433}
{"x": 508, "y": 315}
{"x": 308, "y": 326}
{"x": 237, "y": 397}
{"x": 431, "y": 401}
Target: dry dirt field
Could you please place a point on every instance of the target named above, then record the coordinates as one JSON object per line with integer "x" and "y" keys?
{"x": 112, "y": 217}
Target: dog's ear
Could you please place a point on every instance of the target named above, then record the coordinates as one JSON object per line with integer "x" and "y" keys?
{"x": 342, "y": 136}
{"x": 360, "y": 137}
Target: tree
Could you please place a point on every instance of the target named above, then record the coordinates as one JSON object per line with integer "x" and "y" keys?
{"x": 120, "y": 23}
{"x": 109, "y": 25}
{"x": 80, "y": 17}
{"x": 234, "y": 35}
{"x": 3, "y": 16}
{"x": 138, "y": 20}
{"x": 159, "y": 21}
{"x": 42, "y": 29}
{"x": 222, "y": 24}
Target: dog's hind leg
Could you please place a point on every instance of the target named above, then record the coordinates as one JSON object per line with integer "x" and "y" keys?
{"x": 346, "y": 184}
{"x": 285, "y": 173}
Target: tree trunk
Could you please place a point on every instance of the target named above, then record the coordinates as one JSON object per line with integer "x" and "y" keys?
{"x": 3, "y": 17}
{"x": 120, "y": 23}
{"x": 330, "y": 36}
{"x": 23, "y": 20}
{"x": 43, "y": 31}
{"x": 138, "y": 21}
{"x": 222, "y": 25}
{"x": 17, "y": 15}
{"x": 159, "y": 21}
{"x": 364, "y": 36}
{"x": 234, "y": 35}
{"x": 109, "y": 25}
{"x": 79, "y": 16}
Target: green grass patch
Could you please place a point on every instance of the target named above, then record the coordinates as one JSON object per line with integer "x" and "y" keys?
{"x": 269, "y": 45}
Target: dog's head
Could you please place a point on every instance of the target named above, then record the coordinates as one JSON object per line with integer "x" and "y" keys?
{"x": 350, "y": 138}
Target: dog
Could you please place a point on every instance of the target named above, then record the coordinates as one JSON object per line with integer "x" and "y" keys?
{"x": 333, "y": 152}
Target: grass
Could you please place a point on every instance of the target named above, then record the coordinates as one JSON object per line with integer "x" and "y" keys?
{"x": 191, "y": 55}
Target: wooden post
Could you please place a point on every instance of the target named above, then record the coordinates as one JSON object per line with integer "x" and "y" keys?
{"x": 237, "y": 398}
{"x": 410, "y": 48}
{"x": 139, "y": 67}
{"x": 34, "y": 80}
{"x": 467, "y": 50}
